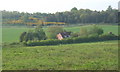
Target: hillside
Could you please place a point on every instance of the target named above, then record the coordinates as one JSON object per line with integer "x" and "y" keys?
{"x": 84, "y": 56}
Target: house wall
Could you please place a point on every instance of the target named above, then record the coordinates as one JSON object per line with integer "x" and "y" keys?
{"x": 59, "y": 36}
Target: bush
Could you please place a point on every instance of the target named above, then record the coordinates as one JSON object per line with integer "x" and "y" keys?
{"x": 118, "y": 37}
{"x": 90, "y": 38}
{"x": 31, "y": 35}
{"x": 92, "y": 30}
{"x": 93, "y": 38}
{"x": 74, "y": 34}
{"x": 52, "y": 31}
{"x": 108, "y": 37}
{"x": 95, "y": 30}
{"x": 83, "y": 31}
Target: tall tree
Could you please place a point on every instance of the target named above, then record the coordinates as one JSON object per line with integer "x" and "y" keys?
{"x": 53, "y": 31}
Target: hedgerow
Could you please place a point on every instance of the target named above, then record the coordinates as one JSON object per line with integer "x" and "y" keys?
{"x": 92, "y": 38}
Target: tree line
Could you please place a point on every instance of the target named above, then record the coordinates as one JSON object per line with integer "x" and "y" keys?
{"x": 74, "y": 16}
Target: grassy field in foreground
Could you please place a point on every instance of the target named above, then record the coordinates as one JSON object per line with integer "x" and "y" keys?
{"x": 84, "y": 56}
{"x": 12, "y": 34}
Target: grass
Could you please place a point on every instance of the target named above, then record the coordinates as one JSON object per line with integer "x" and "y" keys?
{"x": 84, "y": 56}
{"x": 106, "y": 28}
{"x": 12, "y": 34}
{"x": 0, "y": 35}
{"x": 81, "y": 56}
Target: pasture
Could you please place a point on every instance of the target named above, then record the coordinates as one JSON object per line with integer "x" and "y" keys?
{"x": 84, "y": 56}
{"x": 12, "y": 34}
{"x": 80, "y": 56}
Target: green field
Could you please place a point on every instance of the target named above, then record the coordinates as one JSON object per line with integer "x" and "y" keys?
{"x": 81, "y": 56}
{"x": 106, "y": 28}
{"x": 84, "y": 56}
{"x": 12, "y": 34}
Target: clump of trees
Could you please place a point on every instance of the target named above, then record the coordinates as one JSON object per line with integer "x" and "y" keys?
{"x": 38, "y": 33}
{"x": 33, "y": 35}
{"x": 91, "y": 30}
{"x": 52, "y": 31}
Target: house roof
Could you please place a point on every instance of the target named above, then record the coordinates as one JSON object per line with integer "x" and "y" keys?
{"x": 65, "y": 34}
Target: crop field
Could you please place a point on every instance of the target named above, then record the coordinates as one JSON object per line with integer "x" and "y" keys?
{"x": 12, "y": 34}
{"x": 84, "y": 56}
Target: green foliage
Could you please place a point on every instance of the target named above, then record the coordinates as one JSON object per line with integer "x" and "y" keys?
{"x": 29, "y": 36}
{"x": 74, "y": 34}
{"x": 37, "y": 34}
{"x": 119, "y": 18}
{"x": 83, "y": 39}
{"x": 118, "y": 37}
{"x": 22, "y": 37}
{"x": 108, "y": 37}
{"x": 95, "y": 30}
{"x": 109, "y": 8}
{"x": 25, "y": 18}
{"x": 83, "y": 32}
{"x": 74, "y": 9}
{"x": 91, "y": 30}
{"x": 74, "y": 16}
{"x": 52, "y": 31}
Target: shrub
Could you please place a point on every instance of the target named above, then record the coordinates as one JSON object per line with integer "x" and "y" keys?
{"x": 37, "y": 34}
{"x": 52, "y": 31}
{"x": 95, "y": 30}
{"x": 90, "y": 38}
{"x": 22, "y": 36}
{"x": 118, "y": 37}
{"x": 74, "y": 34}
{"x": 93, "y": 37}
{"x": 83, "y": 31}
{"x": 108, "y": 37}
{"x": 92, "y": 30}
{"x": 69, "y": 41}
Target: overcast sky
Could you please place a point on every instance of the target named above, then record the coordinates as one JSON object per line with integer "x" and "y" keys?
{"x": 52, "y": 6}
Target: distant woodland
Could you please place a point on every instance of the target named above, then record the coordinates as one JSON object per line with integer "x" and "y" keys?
{"x": 74, "y": 16}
